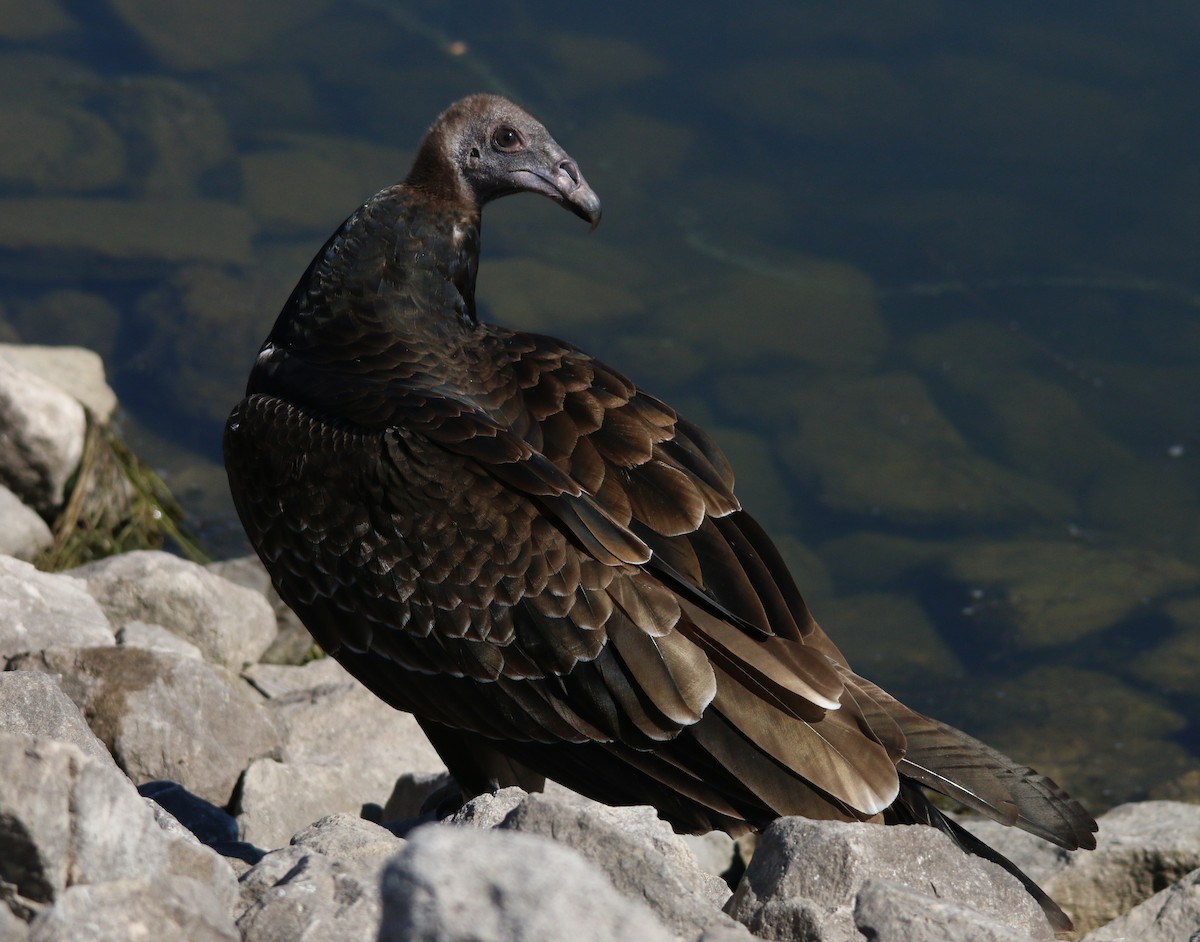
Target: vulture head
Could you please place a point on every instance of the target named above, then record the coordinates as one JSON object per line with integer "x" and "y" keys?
{"x": 484, "y": 147}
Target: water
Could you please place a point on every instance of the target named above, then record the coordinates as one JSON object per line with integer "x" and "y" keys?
{"x": 926, "y": 270}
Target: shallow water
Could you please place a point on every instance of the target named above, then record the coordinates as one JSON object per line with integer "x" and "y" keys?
{"x": 926, "y": 271}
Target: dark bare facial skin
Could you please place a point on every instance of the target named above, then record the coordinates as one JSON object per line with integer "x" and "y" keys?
{"x": 499, "y": 149}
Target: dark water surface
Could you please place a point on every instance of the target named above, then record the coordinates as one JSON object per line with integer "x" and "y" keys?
{"x": 927, "y": 270}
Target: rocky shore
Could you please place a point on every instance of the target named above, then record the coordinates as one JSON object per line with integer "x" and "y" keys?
{"x": 174, "y": 769}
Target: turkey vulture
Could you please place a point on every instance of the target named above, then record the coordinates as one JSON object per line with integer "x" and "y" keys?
{"x": 546, "y": 565}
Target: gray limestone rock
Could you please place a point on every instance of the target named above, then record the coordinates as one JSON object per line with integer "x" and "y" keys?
{"x": 638, "y": 851}
{"x": 165, "y": 907}
{"x": 715, "y": 852}
{"x": 890, "y": 912}
{"x": 412, "y": 790}
{"x": 40, "y": 609}
{"x": 34, "y": 703}
{"x": 23, "y": 533}
{"x": 1170, "y": 915}
{"x": 66, "y": 819}
{"x": 278, "y": 680}
{"x": 141, "y": 634}
{"x": 804, "y": 876}
{"x": 12, "y": 927}
{"x": 42, "y": 438}
{"x": 293, "y": 644}
{"x": 314, "y": 899}
{"x": 75, "y": 370}
{"x": 487, "y": 811}
{"x": 1141, "y": 848}
{"x": 453, "y": 884}
{"x": 163, "y": 716}
{"x": 202, "y": 819}
{"x": 349, "y": 839}
{"x": 229, "y": 624}
{"x": 187, "y": 857}
{"x": 344, "y": 750}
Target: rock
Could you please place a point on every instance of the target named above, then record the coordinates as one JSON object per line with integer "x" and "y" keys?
{"x": 638, "y": 851}
{"x": 488, "y": 810}
{"x": 275, "y": 681}
{"x": 179, "y": 132}
{"x": 527, "y": 293}
{"x": 21, "y": 22}
{"x": 587, "y": 63}
{"x": 1027, "y": 417}
{"x": 889, "y": 638}
{"x": 310, "y": 898}
{"x": 43, "y": 432}
{"x": 164, "y": 716}
{"x": 805, "y": 875}
{"x": 230, "y": 625}
{"x": 89, "y": 319}
{"x": 201, "y": 313}
{"x": 12, "y": 927}
{"x": 187, "y": 857}
{"x": 715, "y": 852}
{"x": 65, "y": 148}
{"x": 868, "y": 442}
{"x": 349, "y": 839}
{"x": 344, "y": 750}
{"x": 276, "y": 799}
{"x": 1170, "y": 915}
{"x": 140, "y": 634}
{"x": 1141, "y": 848}
{"x": 203, "y": 820}
{"x": 412, "y": 790}
{"x": 125, "y": 230}
{"x": 66, "y": 819}
{"x": 851, "y": 332}
{"x": 293, "y": 644}
{"x": 1059, "y": 591}
{"x": 458, "y": 884}
{"x": 266, "y": 872}
{"x": 34, "y": 704}
{"x": 1173, "y": 664}
{"x": 891, "y": 912}
{"x": 76, "y": 371}
{"x": 1036, "y": 858}
{"x": 23, "y": 533}
{"x": 165, "y": 907}
{"x": 215, "y": 34}
{"x": 38, "y": 609}
{"x": 272, "y": 176}
{"x": 1052, "y": 717}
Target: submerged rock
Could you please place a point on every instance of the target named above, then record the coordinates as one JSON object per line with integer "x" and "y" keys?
{"x": 868, "y": 444}
{"x": 1060, "y": 590}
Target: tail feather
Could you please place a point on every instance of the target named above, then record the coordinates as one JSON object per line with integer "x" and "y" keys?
{"x": 1059, "y": 920}
{"x": 961, "y": 767}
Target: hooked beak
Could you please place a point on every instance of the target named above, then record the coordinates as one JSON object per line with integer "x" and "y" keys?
{"x": 564, "y": 184}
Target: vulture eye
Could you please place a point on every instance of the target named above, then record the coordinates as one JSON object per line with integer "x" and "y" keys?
{"x": 506, "y": 139}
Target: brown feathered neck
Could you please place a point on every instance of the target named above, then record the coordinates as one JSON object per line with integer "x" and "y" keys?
{"x": 437, "y": 175}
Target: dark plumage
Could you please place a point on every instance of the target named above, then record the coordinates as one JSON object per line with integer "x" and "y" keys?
{"x": 545, "y": 565}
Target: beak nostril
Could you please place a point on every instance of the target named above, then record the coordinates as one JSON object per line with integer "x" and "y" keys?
{"x": 568, "y": 167}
